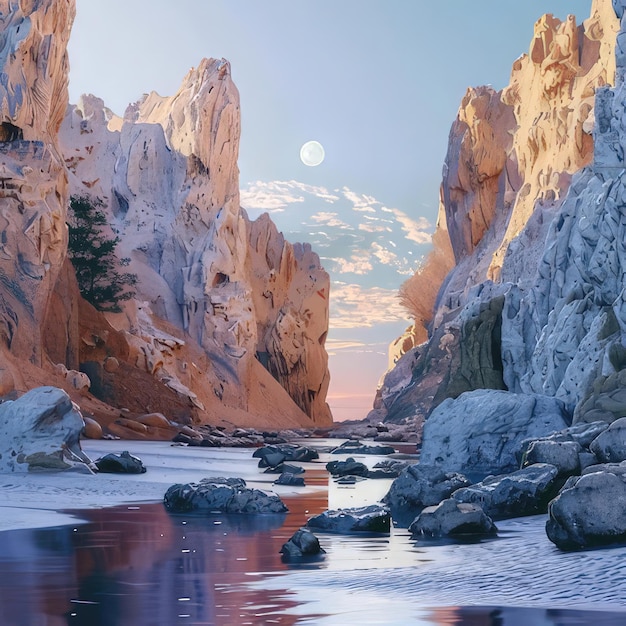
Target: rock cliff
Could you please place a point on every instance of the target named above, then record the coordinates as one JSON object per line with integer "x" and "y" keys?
{"x": 228, "y": 322}
{"x": 33, "y": 181}
{"x": 530, "y": 210}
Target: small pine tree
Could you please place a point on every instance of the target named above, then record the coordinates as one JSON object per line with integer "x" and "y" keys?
{"x": 93, "y": 256}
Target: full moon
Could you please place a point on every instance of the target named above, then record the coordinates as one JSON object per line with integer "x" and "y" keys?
{"x": 312, "y": 153}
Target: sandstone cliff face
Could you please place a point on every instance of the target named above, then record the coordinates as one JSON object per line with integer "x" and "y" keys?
{"x": 229, "y": 321}
{"x": 509, "y": 168}
{"x": 33, "y": 182}
{"x": 167, "y": 175}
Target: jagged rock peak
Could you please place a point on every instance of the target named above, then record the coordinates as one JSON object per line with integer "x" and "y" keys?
{"x": 167, "y": 175}
{"x": 202, "y": 119}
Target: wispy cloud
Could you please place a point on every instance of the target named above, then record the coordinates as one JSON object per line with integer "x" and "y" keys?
{"x": 386, "y": 257}
{"x": 416, "y": 230}
{"x": 273, "y": 196}
{"x": 327, "y": 218}
{"x": 355, "y": 306}
{"x": 360, "y": 202}
{"x": 360, "y": 263}
{"x": 369, "y": 227}
{"x": 333, "y": 346}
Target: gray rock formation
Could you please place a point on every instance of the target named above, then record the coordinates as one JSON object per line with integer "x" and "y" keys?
{"x": 524, "y": 492}
{"x": 564, "y": 455}
{"x": 481, "y": 432}
{"x": 511, "y": 160}
{"x": 452, "y": 519}
{"x": 368, "y": 519}
{"x": 227, "y": 495}
{"x": 303, "y": 543}
{"x": 610, "y": 445}
{"x": 589, "y": 512}
{"x": 40, "y": 431}
{"x": 419, "y": 486}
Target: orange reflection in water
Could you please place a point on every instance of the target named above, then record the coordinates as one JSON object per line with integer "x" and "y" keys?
{"x": 139, "y": 565}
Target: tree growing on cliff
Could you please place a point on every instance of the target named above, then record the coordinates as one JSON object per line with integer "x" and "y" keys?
{"x": 93, "y": 256}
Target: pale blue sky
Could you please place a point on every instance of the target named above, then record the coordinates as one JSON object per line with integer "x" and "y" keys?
{"x": 377, "y": 82}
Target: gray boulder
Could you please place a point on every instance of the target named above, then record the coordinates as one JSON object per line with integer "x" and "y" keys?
{"x": 619, "y": 469}
{"x": 481, "y": 432}
{"x": 285, "y": 468}
{"x": 349, "y": 467}
{"x": 225, "y": 495}
{"x": 564, "y": 455}
{"x": 610, "y": 445}
{"x": 419, "y": 486}
{"x": 589, "y": 512}
{"x": 124, "y": 463}
{"x": 371, "y": 519}
{"x": 41, "y": 431}
{"x": 524, "y": 492}
{"x": 451, "y": 519}
{"x": 584, "y": 433}
{"x": 303, "y": 543}
{"x": 289, "y": 480}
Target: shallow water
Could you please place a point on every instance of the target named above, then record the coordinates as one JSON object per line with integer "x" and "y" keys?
{"x": 136, "y": 564}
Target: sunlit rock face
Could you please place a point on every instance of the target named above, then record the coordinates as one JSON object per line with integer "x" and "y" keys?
{"x": 167, "y": 175}
{"x": 525, "y": 307}
{"x": 33, "y": 182}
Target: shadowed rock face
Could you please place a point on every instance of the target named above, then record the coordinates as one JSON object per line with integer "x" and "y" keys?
{"x": 40, "y": 431}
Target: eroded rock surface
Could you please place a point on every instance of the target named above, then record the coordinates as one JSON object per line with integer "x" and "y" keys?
{"x": 523, "y": 492}
{"x": 40, "y": 431}
{"x": 167, "y": 175}
{"x": 370, "y": 519}
{"x": 419, "y": 486}
{"x": 481, "y": 432}
{"x": 226, "y": 495}
{"x": 589, "y": 512}
{"x": 452, "y": 519}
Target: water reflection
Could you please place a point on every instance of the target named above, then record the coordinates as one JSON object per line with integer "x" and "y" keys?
{"x": 139, "y": 565}
{"x": 521, "y": 616}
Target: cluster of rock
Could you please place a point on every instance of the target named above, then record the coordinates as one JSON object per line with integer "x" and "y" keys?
{"x": 515, "y": 467}
{"x": 352, "y": 469}
{"x": 221, "y": 495}
{"x": 41, "y": 430}
{"x": 376, "y": 431}
{"x": 229, "y": 321}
